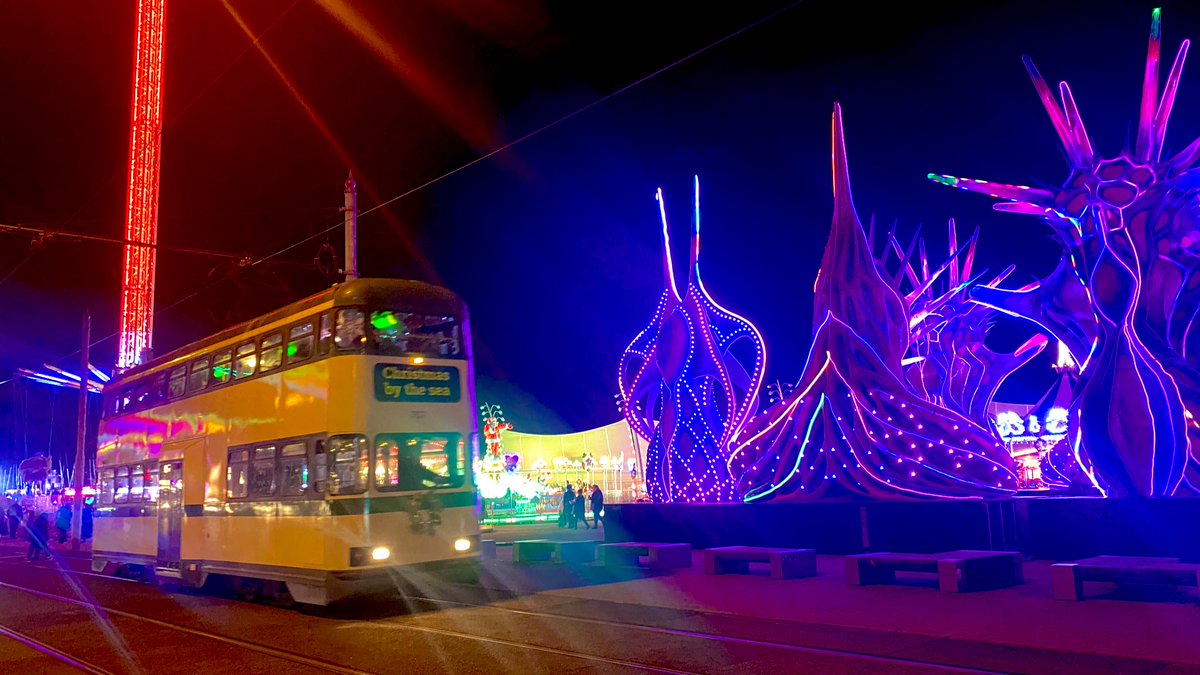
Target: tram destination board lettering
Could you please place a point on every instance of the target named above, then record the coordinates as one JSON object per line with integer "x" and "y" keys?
{"x": 403, "y": 383}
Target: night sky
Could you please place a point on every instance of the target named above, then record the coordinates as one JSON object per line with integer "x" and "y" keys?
{"x": 554, "y": 243}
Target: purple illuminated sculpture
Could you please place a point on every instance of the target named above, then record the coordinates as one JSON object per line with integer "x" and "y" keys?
{"x": 687, "y": 393}
{"x": 1126, "y": 295}
{"x": 854, "y": 426}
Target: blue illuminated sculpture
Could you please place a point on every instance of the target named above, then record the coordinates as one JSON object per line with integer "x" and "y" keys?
{"x": 1125, "y": 298}
{"x": 854, "y": 426}
{"x": 687, "y": 392}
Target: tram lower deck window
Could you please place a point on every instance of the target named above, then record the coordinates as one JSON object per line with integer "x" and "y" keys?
{"x": 348, "y": 465}
{"x": 417, "y": 461}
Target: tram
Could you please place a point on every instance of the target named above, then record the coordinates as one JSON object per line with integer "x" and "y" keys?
{"x": 319, "y": 451}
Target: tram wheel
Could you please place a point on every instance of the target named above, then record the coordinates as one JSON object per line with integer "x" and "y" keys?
{"x": 247, "y": 589}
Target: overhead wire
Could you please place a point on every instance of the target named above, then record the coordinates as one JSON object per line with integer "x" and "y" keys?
{"x": 502, "y": 148}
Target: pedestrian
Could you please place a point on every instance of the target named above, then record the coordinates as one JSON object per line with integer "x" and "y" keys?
{"x": 581, "y": 509}
{"x": 85, "y": 524}
{"x": 15, "y": 515}
{"x": 568, "y": 503}
{"x": 4, "y": 502}
{"x": 62, "y": 520}
{"x": 597, "y": 499}
{"x": 39, "y": 532}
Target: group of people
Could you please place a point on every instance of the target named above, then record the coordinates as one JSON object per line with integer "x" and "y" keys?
{"x": 17, "y": 519}
{"x": 575, "y": 503}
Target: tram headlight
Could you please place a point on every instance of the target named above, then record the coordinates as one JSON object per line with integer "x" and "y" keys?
{"x": 381, "y": 553}
{"x": 462, "y": 544}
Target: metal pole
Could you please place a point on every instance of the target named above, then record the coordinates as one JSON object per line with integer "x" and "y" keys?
{"x": 351, "y": 210}
{"x": 81, "y": 436}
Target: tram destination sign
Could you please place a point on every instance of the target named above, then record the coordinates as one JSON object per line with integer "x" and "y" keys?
{"x": 403, "y": 383}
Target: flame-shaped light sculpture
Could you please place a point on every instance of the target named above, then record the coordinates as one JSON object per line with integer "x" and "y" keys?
{"x": 687, "y": 392}
{"x": 853, "y": 427}
{"x": 1125, "y": 297}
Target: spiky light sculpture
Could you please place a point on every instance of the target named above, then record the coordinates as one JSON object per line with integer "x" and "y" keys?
{"x": 688, "y": 392}
{"x": 1125, "y": 297}
{"x": 853, "y": 427}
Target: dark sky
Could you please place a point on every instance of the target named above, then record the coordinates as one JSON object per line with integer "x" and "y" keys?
{"x": 554, "y": 243}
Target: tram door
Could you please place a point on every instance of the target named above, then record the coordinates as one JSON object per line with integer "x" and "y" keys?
{"x": 170, "y": 513}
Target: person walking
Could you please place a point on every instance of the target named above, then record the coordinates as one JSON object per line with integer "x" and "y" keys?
{"x": 39, "y": 532}
{"x": 597, "y": 499}
{"x": 580, "y": 509}
{"x": 15, "y": 515}
{"x": 62, "y": 520}
{"x": 85, "y": 524}
{"x": 568, "y": 503}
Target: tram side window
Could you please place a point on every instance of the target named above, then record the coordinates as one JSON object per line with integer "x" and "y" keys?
{"x": 237, "y": 483}
{"x": 300, "y": 343}
{"x": 108, "y": 482}
{"x": 350, "y": 329}
{"x": 272, "y": 352}
{"x": 198, "y": 379}
{"x": 150, "y": 483}
{"x": 293, "y": 469}
{"x": 320, "y": 467}
{"x": 325, "y": 337}
{"x": 348, "y": 464}
{"x": 136, "y": 491}
{"x": 121, "y": 490}
{"x": 178, "y": 382}
{"x": 247, "y": 361}
{"x": 263, "y": 482}
{"x": 417, "y": 461}
{"x": 221, "y": 369}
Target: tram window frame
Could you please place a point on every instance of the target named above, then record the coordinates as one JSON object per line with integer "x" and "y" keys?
{"x": 392, "y": 466}
{"x": 350, "y": 333}
{"x": 264, "y": 463}
{"x": 245, "y": 358}
{"x": 239, "y": 458}
{"x": 301, "y": 334}
{"x": 270, "y": 352}
{"x": 223, "y": 357}
{"x": 325, "y": 334}
{"x": 360, "y": 444}
{"x": 177, "y": 382}
{"x": 120, "y": 497}
{"x": 198, "y": 375}
{"x": 292, "y": 453}
{"x": 108, "y": 484}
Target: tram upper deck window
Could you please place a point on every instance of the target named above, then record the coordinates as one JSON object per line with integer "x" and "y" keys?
{"x": 177, "y": 385}
{"x": 350, "y": 332}
{"x": 247, "y": 361}
{"x": 271, "y": 354}
{"x": 221, "y": 367}
{"x": 417, "y": 461}
{"x": 300, "y": 343}
{"x": 325, "y": 336}
{"x": 348, "y": 464}
{"x": 198, "y": 379}
{"x": 396, "y": 332}
{"x": 237, "y": 481}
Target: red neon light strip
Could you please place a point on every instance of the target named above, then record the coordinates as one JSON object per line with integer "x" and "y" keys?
{"x": 141, "y": 213}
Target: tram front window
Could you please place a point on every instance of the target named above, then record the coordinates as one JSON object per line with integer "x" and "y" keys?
{"x": 401, "y": 333}
{"x": 417, "y": 462}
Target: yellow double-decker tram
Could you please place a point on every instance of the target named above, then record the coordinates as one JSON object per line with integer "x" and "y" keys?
{"x": 319, "y": 451}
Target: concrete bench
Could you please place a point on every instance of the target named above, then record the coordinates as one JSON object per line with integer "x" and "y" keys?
{"x": 658, "y": 556}
{"x": 544, "y": 550}
{"x": 957, "y": 571}
{"x": 785, "y": 563}
{"x": 1066, "y": 579}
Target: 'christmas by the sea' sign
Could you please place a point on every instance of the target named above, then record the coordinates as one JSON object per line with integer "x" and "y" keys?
{"x": 403, "y": 383}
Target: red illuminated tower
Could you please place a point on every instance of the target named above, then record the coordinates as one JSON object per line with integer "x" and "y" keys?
{"x": 141, "y": 210}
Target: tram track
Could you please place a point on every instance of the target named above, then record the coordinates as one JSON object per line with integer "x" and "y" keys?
{"x": 675, "y": 632}
{"x": 43, "y": 648}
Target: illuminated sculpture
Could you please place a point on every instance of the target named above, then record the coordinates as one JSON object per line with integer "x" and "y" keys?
{"x": 689, "y": 394}
{"x": 853, "y": 426}
{"x": 1124, "y": 297}
{"x": 947, "y": 362}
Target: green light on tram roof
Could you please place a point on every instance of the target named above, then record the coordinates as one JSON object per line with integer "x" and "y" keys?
{"x": 383, "y": 320}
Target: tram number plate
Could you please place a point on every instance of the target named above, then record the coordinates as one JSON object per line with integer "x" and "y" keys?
{"x": 404, "y": 383}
